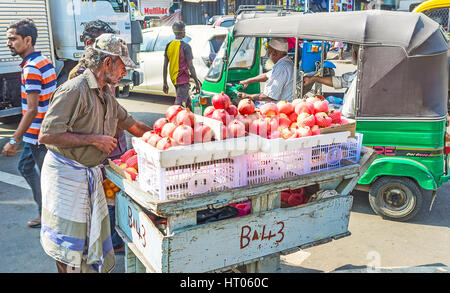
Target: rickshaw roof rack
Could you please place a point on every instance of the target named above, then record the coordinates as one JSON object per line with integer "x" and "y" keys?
{"x": 416, "y": 33}
{"x": 255, "y": 11}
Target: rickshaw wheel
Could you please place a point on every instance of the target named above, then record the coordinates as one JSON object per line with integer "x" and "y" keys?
{"x": 395, "y": 198}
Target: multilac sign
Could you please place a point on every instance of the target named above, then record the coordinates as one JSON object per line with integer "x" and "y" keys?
{"x": 154, "y": 7}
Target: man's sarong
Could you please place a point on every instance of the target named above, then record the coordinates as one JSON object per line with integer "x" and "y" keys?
{"x": 75, "y": 222}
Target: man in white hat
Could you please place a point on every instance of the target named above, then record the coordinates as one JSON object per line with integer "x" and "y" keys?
{"x": 279, "y": 81}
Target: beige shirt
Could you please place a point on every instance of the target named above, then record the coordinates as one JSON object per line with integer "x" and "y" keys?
{"x": 77, "y": 107}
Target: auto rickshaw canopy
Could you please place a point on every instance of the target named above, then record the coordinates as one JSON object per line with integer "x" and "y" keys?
{"x": 403, "y": 69}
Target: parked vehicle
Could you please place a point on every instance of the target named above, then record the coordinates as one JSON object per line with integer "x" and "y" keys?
{"x": 401, "y": 94}
{"x": 225, "y": 21}
{"x": 204, "y": 40}
{"x": 438, "y": 10}
{"x": 54, "y": 19}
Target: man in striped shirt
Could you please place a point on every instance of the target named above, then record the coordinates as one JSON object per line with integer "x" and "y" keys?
{"x": 38, "y": 82}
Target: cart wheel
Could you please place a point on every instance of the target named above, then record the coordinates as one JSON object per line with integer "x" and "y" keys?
{"x": 395, "y": 198}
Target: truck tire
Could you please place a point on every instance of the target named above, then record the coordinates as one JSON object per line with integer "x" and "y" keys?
{"x": 395, "y": 198}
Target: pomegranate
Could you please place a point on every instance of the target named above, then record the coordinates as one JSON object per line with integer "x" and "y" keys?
{"x": 221, "y": 115}
{"x": 246, "y": 106}
{"x": 236, "y": 129}
{"x": 285, "y": 132}
{"x": 208, "y": 111}
{"x": 185, "y": 117}
{"x": 158, "y": 125}
{"x": 313, "y": 99}
{"x": 183, "y": 135}
{"x": 294, "y": 125}
{"x": 293, "y": 117}
{"x": 321, "y": 106}
{"x": 304, "y": 107}
{"x": 295, "y": 102}
{"x": 304, "y": 131}
{"x": 246, "y": 119}
{"x": 232, "y": 110}
{"x": 335, "y": 116}
{"x": 322, "y": 119}
{"x": 260, "y": 126}
{"x": 269, "y": 110}
{"x": 285, "y": 107}
{"x": 145, "y": 137}
{"x": 305, "y": 119}
{"x": 153, "y": 141}
{"x": 273, "y": 124}
{"x": 282, "y": 121}
{"x": 165, "y": 143}
{"x": 221, "y": 101}
{"x": 168, "y": 129}
{"x": 172, "y": 112}
{"x": 202, "y": 133}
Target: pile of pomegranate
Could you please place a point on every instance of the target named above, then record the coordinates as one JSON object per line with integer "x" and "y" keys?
{"x": 299, "y": 118}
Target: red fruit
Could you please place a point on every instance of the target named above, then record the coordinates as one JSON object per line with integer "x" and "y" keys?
{"x": 158, "y": 125}
{"x": 293, "y": 117}
{"x": 246, "y": 107}
{"x": 285, "y": 107}
{"x": 185, "y": 117}
{"x": 321, "y": 106}
{"x": 315, "y": 130}
{"x": 305, "y": 119}
{"x": 313, "y": 99}
{"x": 132, "y": 162}
{"x": 202, "y": 133}
{"x": 165, "y": 143}
{"x": 322, "y": 119}
{"x": 208, "y": 111}
{"x": 232, "y": 110}
{"x": 172, "y": 112}
{"x": 295, "y": 102}
{"x": 343, "y": 121}
{"x": 294, "y": 126}
{"x": 221, "y": 101}
{"x": 285, "y": 132}
{"x": 132, "y": 174}
{"x": 221, "y": 115}
{"x": 247, "y": 120}
{"x": 304, "y": 107}
{"x": 269, "y": 110}
{"x": 236, "y": 129}
{"x": 224, "y": 132}
{"x": 147, "y": 135}
{"x": 273, "y": 124}
{"x": 128, "y": 154}
{"x": 183, "y": 135}
{"x": 285, "y": 122}
{"x": 154, "y": 140}
{"x": 168, "y": 129}
{"x": 335, "y": 116}
{"x": 260, "y": 127}
{"x": 304, "y": 131}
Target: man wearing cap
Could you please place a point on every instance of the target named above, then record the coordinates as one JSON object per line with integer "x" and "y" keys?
{"x": 279, "y": 81}
{"x": 78, "y": 131}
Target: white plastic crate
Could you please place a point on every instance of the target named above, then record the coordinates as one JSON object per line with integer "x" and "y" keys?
{"x": 185, "y": 181}
{"x": 265, "y": 167}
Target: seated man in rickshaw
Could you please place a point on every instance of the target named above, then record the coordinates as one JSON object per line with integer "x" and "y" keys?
{"x": 279, "y": 81}
{"x": 347, "y": 80}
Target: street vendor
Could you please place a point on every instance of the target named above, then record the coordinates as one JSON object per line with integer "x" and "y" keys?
{"x": 78, "y": 131}
{"x": 347, "y": 80}
{"x": 279, "y": 81}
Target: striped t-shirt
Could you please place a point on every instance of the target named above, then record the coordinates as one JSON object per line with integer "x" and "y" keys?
{"x": 38, "y": 76}
{"x": 179, "y": 54}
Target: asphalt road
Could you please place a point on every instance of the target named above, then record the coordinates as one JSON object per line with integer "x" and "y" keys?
{"x": 375, "y": 245}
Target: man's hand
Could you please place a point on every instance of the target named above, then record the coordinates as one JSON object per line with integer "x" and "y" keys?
{"x": 105, "y": 143}
{"x": 244, "y": 83}
{"x": 308, "y": 80}
{"x": 243, "y": 95}
{"x": 166, "y": 88}
{"x": 9, "y": 150}
{"x": 198, "y": 86}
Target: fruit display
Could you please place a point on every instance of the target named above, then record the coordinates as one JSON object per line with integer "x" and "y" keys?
{"x": 288, "y": 120}
{"x": 129, "y": 163}
{"x": 110, "y": 188}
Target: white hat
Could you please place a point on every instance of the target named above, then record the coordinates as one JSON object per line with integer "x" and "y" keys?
{"x": 279, "y": 44}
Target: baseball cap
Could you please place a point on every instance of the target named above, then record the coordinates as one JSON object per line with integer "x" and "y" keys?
{"x": 113, "y": 45}
{"x": 279, "y": 44}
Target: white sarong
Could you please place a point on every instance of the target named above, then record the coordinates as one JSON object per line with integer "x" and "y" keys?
{"x": 75, "y": 222}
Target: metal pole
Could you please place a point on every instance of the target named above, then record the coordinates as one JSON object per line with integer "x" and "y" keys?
{"x": 295, "y": 69}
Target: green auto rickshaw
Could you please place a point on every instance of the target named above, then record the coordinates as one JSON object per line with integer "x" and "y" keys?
{"x": 401, "y": 93}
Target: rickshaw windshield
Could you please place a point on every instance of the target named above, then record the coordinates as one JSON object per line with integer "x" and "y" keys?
{"x": 242, "y": 53}
{"x": 215, "y": 71}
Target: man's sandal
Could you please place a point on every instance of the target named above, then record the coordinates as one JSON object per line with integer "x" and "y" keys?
{"x": 36, "y": 223}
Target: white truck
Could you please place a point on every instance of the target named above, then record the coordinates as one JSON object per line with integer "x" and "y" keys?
{"x": 60, "y": 24}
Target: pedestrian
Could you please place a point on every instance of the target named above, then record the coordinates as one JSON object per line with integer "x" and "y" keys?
{"x": 91, "y": 31}
{"x": 179, "y": 55}
{"x": 78, "y": 131}
{"x": 206, "y": 16}
{"x": 38, "y": 82}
